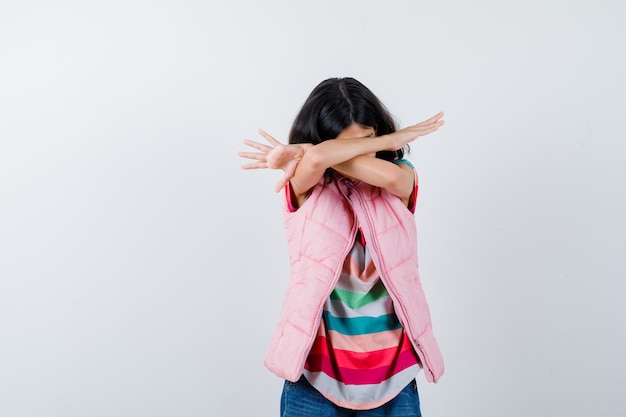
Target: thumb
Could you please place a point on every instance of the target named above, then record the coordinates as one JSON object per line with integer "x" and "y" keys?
{"x": 281, "y": 183}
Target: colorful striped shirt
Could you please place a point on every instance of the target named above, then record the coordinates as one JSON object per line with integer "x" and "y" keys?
{"x": 361, "y": 357}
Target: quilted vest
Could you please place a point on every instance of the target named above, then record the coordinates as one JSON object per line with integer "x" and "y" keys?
{"x": 320, "y": 234}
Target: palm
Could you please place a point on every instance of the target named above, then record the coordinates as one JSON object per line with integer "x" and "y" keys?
{"x": 281, "y": 156}
{"x": 277, "y": 156}
{"x": 410, "y": 133}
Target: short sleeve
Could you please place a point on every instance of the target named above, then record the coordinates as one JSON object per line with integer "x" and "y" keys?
{"x": 413, "y": 197}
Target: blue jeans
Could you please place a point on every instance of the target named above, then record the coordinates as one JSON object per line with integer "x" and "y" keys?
{"x": 300, "y": 399}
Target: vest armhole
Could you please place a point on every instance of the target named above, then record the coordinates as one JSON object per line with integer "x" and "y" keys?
{"x": 413, "y": 197}
{"x": 290, "y": 199}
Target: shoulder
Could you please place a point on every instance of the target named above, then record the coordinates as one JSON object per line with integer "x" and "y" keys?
{"x": 407, "y": 165}
{"x": 404, "y": 162}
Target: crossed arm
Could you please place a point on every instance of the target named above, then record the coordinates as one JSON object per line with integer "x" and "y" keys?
{"x": 305, "y": 164}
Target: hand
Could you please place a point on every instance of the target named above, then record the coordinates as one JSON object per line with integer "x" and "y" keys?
{"x": 402, "y": 137}
{"x": 276, "y": 156}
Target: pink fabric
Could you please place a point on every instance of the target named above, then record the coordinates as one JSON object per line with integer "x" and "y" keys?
{"x": 320, "y": 234}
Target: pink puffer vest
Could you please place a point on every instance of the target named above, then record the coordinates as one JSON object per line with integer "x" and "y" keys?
{"x": 320, "y": 234}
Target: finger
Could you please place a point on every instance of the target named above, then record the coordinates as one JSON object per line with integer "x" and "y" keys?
{"x": 255, "y": 165}
{"x": 436, "y": 117}
{"x": 281, "y": 183}
{"x": 269, "y": 137}
{"x": 256, "y": 145}
{"x": 428, "y": 124}
{"x": 423, "y": 130}
{"x": 252, "y": 155}
{"x": 433, "y": 122}
{"x": 430, "y": 129}
{"x": 433, "y": 119}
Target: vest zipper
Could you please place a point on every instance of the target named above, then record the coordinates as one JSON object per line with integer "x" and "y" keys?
{"x": 388, "y": 284}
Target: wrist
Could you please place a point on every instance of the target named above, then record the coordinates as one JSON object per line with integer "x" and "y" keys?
{"x": 390, "y": 144}
{"x": 303, "y": 147}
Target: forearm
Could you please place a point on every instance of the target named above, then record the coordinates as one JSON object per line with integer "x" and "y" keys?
{"x": 398, "y": 179}
{"x": 335, "y": 151}
{"x": 317, "y": 159}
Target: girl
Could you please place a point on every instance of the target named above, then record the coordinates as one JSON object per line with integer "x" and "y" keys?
{"x": 355, "y": 329}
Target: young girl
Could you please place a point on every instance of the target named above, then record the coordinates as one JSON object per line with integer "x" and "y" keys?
{"x": 355, "y": 329}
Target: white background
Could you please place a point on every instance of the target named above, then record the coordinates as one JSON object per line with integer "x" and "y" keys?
{"x": 142, "y": 271}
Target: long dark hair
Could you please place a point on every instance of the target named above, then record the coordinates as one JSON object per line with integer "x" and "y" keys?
{"x": 334, "y": 105}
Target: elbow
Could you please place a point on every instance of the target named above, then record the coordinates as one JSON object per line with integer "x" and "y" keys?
{"x": 398, "y": 184}
{"x": 393, "y": 179}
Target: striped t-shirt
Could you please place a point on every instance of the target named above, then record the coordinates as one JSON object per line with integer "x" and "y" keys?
{"x": 361, "y": 357}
